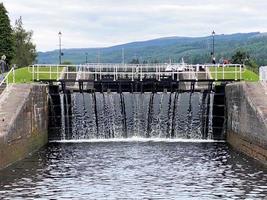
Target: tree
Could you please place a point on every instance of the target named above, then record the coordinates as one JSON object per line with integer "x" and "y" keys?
{"x": 252, "y": 65}
{"x": 240, "y": 57}
{"x": 25, "y": 50}
{"x": 6, "y": 39}
{"x": 135, "y": 61}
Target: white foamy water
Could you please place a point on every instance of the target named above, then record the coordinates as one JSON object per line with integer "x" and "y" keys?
{"x": 177, "y": 116}
{"x": 137, "y": 139}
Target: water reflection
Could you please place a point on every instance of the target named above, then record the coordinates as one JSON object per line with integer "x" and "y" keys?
{"x": 135, "y": 170}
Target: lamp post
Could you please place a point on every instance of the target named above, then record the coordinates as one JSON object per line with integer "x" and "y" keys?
{"x": 122, "y": 55}
{"x": 213, "y": 49}
{"x": 86, "y": 58}
{"x": 60, "y": 53}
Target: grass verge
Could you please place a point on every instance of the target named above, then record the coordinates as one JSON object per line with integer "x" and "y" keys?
{"x": 23, "y": 75}
{"x": 247, "y": 75}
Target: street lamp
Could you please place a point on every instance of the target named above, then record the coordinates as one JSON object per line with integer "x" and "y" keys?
{"x": 60, "y": 53}
{"x": 213, "y": 49}
{"x": 86, "y": 58}
{"x": 122, "y": 55}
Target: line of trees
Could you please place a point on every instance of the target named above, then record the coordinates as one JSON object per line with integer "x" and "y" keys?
{"x": 15, "y": 42}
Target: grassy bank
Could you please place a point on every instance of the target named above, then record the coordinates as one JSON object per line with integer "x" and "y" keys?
{"x": 23, "y": 75}
{"x": 247, "y": 75}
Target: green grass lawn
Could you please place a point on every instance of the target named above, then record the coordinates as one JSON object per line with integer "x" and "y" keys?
{"x": 22, "y": 75}
{"x": 247, "y": 75}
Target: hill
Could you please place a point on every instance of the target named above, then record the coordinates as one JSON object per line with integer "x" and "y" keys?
{"x": 192, "y": 49}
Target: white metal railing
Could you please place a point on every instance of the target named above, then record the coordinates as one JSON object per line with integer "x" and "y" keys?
{"x": 263, "y": 73}
{"x": 97, "y": 71}
{"x": 6, "y": 77}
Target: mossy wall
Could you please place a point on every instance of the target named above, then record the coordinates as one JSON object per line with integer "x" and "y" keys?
{"x": 247, "y": 118}
{"x": 23, "y": 121}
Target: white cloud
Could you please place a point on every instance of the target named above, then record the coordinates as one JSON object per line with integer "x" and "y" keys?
{"x": 98, "y": 23}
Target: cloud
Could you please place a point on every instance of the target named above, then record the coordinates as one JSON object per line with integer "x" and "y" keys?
{"x": 98, "y": 23}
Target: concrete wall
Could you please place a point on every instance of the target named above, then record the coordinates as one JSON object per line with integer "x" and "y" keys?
{"x": 247, "y": 118}
{"x": 23, "y": 121}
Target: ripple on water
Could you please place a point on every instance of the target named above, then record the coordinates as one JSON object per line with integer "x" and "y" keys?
{"x": 135, "y": 170}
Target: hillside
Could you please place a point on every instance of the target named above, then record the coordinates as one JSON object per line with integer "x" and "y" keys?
{"x": 193, "y": 50}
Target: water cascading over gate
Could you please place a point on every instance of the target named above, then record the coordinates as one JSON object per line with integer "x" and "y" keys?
{"x": 186, "y": 115}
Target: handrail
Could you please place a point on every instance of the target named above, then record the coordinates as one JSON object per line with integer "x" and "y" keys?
{"x": 137, "y": 70}
{"x": 98, "y": 65}
{"x": 5, "y": 80}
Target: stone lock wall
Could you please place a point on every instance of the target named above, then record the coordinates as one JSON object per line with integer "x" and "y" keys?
{"x": 23, "y": 121}
{"x": 247, "y": 118}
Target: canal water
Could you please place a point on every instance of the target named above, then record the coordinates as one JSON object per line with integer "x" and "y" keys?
{"x": 136, "y": 169}
{"x": 134, "y": 146}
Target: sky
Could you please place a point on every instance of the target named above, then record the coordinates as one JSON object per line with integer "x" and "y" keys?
{"x": 102, "y": 23}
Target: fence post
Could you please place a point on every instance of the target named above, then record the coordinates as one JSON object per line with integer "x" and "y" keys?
{"x": 7, "y": 82}
{"x": 189, "y": 74}
{"x": 235, "y": 73}
{"x": 94, "y": 68}
{"x": 50, "y": 73}
{"x": 117, "y": 75}
{"x": 159, "y": 72}
{"x": 33, "y": 72}
{"x": 114, "y": 73}
{"x": 100, "y": 70}
{"x": 84, "y": 69}
{"x": 38, "y": 76}
{"x": 13, "y": 71}
{"x": 216, "y": 72}
{"x": 240, "y": 68}
{"x": 223, "y": 71}
{"x": 156, "y": 73}
{"x": 57, "y": 73}
{"x": 196, "y": 72}
{"x": 141, "y": 72}
{"x": 206, "y": 71}
{"x": 132, "y": 73}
